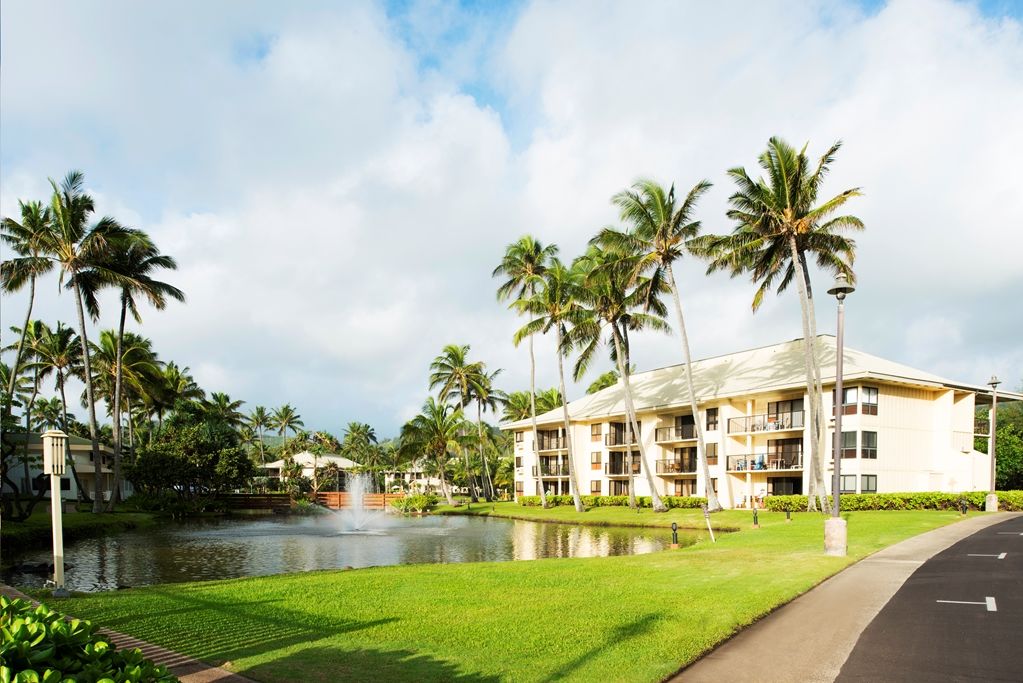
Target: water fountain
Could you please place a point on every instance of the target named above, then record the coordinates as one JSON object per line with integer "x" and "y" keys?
{"x": 355, "y": 518}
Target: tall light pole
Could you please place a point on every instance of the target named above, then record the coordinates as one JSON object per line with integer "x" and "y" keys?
{"x": 835, "y": 537}
{"x": 991, "y": 501}
{"x": 54, "y": 444}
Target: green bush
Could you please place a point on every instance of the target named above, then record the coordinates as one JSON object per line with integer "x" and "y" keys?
{"x": 616, "y": 501}
{"x": 40, "y": 646}
{"x": 415, "y": 503}
{"x": 927, "y": 500}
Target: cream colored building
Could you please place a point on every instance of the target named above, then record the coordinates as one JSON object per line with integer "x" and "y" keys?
{"x": 80, "y": 451}
{"x": 903, "y": 430}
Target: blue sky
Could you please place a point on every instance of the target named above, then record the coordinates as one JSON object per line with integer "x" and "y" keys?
{"x": 337, "y": 181}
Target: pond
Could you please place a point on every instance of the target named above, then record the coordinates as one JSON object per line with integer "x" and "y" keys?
{"x": 235, "y": 547}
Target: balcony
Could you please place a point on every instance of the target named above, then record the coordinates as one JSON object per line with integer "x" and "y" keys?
{"x": 619, "y": 439}
{"x": 677, "y": 433}
{"x": 676, "y": 466}
{"x": 982, "y": 426}
{"x": 764, "y": 462}
{"x": 552, "y": 443}
{"x": 771, "y": 422}
{"x": 552, "y": 470}
{"x": 621, "y": 469}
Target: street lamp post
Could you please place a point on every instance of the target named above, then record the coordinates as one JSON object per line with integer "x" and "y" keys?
{"x": 54, "y": 454}
{"x": 835, "y": 536}
{"x": 991, "y": 501}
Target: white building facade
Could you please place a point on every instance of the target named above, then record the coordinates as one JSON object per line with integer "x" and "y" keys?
{"x": 903, "y": 430}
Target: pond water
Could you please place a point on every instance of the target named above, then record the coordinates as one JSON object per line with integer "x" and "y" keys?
{"x": 229, "y": 548}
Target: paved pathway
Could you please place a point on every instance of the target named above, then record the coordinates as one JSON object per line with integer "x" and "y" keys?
{"x": 189, "y": 670}
{"x": 810, "y": 638}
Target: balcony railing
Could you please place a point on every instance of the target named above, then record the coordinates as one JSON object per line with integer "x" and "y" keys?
{"x": 757, "y": 462}
{"x": 982, "y": 426}
{"x": 619, "y": 439}
{"x": 676, "y": 466}
{"x": 683, "y": 433}
{"x": 552, "y": 470}
{"x": 621, "y": 469}
{"x": 552, "y": 443}
{"x": 766, "y": 423}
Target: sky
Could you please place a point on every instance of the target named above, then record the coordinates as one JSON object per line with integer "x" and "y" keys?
{"x": 338, "y": 180}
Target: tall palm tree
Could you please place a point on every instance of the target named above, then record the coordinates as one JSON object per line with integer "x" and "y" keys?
{"x": 523, "y": 267}
{"x": 779, "y": 222}
{"x": 77, "y": 247}
{"x": 177, "y": 385}
{"x": 434, "y": 432}
{"x": 221, "y": 407}
{"x": 487, "y": 397}
{"x": 29, "y": 340}
{"x": 661, "y": 230}
{"x": 555, "y": 307}
{"x": 457, "y": 378}
{"x": 134, "y": 262}
{"x": 259, "y": 419}
{"x": 615, "y": 299}
{"x": 285, "y": 420}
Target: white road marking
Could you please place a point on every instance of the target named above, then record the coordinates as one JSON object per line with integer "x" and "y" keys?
{"x": 989, "y": 602}
{"x": 1000, "y": 557}
{"x": 1010, "y": 533}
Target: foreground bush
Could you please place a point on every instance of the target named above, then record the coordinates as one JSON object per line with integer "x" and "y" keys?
{"x": 40, "y": 646}
{"x": 415, "y": 503}
{"x": 928, "y": 500}
{"x": 613, "y": 501}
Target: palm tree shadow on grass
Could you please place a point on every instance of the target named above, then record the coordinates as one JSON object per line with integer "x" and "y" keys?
{"x": 616, "y": 637}
{"x": 330, "y": 664}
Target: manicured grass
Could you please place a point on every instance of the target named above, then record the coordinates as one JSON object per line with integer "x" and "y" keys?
{"x": 35, "y": 531}
{"x": 634, "y": 618}
{"x": 728, "y": 520}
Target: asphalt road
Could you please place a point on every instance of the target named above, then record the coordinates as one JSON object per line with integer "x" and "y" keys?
{"x": 979, "y": 637}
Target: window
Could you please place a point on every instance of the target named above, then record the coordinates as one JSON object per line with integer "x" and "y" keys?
{"x": 712, "y": 419}
{"x": 518, "y": 487}
{"x": 595, "y": 432}
{"x": 784, "y": 454}
{"x": 868, "y": 483}
{"x": 712, "y": 453}
{"x": 595, "y": 460}
{"x": 848, "y": 444}
{"x": 519, "y": 436}
{"x": 714, "y": 484}
{"x": 869, "y": 398}
{"x": 869, "y": 445}
{"x": 848, "y": 483}
{"x": 636, "y": 463}
{"x": 518, "y": 461}
{"x": 685, "y": 487}
{"x": 65, "y": 484}
{"x": 849, "y": 398}
{"x": 791, "y": 406}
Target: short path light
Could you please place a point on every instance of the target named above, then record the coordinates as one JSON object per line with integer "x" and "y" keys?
{"x": 54, "y": 445}
{"x": 756, "y": 520}
{"x": 674, "y": 535}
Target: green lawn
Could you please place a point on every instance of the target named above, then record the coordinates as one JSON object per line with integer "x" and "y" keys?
{"x": 636, "y": 618}
{"x": 35, "y": 531}
{"x": 728, "y": 520}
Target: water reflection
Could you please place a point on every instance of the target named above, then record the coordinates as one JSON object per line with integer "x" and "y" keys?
{"x": 231, "y": 548}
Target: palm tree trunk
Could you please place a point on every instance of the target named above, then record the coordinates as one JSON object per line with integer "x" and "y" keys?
{"x": 115, "y": 493}
{"x": 630, "y": 410}
{"x": 28, "y": 428}
{"x": 262, "y": 455}
{"x": 823, "y": 430}
{"x": 488, "y": 484}
{"x": 713, "y": 504}
{"x": 444, "y": 485}
{"x": 97, "y": 502}
{"x": 815, "y": 495}
{"x": 572, "y": 483}
{"x": 532, "y": 414}
{"x": 83, "y": 495}
{"x": 468, "y": 470}
{"x": 11, "y": 380}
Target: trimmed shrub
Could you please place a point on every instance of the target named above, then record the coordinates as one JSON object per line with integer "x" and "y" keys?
{"x": 927, "y": 500}
{"x": 40, "y": 645}
{"x": 615, "y": 501}
{"x": 415, "y": 503}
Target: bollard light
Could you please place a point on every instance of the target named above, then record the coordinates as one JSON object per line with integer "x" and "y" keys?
{"x": 54, "y": 462}
{"x": 788, "y": 515}
{"x": 674, "y": 534}
{"x": 756, "y": 521}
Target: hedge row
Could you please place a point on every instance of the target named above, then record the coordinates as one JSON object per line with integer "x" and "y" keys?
{"x": 613, "y": 501}
{"x": 929, "y": 500}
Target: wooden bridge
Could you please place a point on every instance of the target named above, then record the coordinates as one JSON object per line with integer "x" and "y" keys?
{"x": 370, "y": 501}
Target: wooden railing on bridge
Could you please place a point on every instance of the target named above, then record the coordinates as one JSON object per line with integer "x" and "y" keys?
{"x": 277, "y": 502}
{"x": 370, "y": 501}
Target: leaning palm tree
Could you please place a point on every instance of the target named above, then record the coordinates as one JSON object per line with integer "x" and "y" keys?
{"x": 77, "y": 247}
{"x": 29, "y": 340}
{"x": 434, "y": 433}
{"x": 457, "y": 376}
{"x": 259, "y": 419}
{"x": 285, "y": 420}
{"x": 779, "y": 223}
{"x": 615, "y": 298}
{"x": 555, "y": 307}
{"x": 523, "y": 267}
{"x": 661, "y": 230}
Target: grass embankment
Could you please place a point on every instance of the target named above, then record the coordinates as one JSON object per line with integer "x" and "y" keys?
{"x": 35, "y": 531}
{"x": 617, "y": 515}
{"x": 633, "y": 618}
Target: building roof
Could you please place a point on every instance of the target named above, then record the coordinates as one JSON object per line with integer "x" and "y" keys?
{"x": 778, "y": 367}
{"x": 35, "y": 439}
{"x": 307, "y": 459}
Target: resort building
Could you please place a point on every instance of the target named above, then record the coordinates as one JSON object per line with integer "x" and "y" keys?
{"x": 903, "y": 430}
{"x": 309, "y": 463}
{"x": 80, "y": 452}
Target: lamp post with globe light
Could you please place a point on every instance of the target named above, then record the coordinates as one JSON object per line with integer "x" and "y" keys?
{"x": 835, "y": 536}
{"x": 991, "y": 501}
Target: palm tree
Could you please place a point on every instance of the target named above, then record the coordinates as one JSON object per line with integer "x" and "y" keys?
{"x": 457, "y": 377}
{"x": 221, "y": 407}
{"x": 603, "y": 381}
{"x": 517, "y": 406}
{"x": 486, "y": 397}
{"x": 177, "y": 385}
{"x": 523, "y": 267}
{"x": 548, "y": 399}
{"x": 555, "y": 307}
{"x": 662, "y": 229}
{"x": 259, "y": 419}
{"x": 434, "y": 432}
{"x": 78, "y": 248}
{"x": 47, "y": 414}
{"x": 285, "y": 420}
{"x": 779, "y": 222}
{"x": 615, "y": 297}
{"x": 29, "y": 340}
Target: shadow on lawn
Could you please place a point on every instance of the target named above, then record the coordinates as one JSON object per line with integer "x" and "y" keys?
{"x": 617, "y": 637}
{"x": 330, "y": 664}
{"x": 220, "y": 630}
